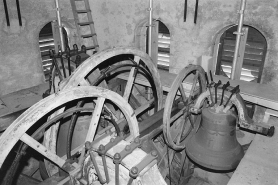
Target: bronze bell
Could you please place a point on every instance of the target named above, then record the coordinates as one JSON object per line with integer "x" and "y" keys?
{"x": 215, "y": 145}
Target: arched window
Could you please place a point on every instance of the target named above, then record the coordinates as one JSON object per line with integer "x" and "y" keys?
{"x": 162, "y": 43}
{"x": 252, "y": 52}
{"x": 253, "y": 47}
{"x": 49, "y": 39}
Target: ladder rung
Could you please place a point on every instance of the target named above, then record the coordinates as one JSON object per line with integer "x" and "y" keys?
{"x": 83, "y": 11}
{"x": 85, "y": 23}
{"x": 88, "y": 35}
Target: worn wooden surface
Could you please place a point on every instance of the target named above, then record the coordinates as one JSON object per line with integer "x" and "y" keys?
{"x": 259, "y": 165}
{"x": 22, "y": 99}
{"x": 18, "y": 128}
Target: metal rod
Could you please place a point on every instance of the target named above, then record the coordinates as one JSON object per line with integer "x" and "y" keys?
{"x": 60, "y": 25}
{"x": 101, "y": 180}
{"x": 18, "y": 13}
{"x": 185, "y": 11}
{"x": 6, "y": 12}
{"x": 216, "y": 86}
{"x": 150, "y": 27}
{"x": 196, "y": 11}
{"x": 224, "y": 87}
{"x": 238, "y": 36}
{"x": 105, "y": 168}
{"x": 68, "y": 57}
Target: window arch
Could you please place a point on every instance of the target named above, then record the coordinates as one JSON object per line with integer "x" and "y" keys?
{"x": 163, "y": 54}
{"x": 160, "y": 42}
{"x": 253, "y": 48}
{"x": 48, "y": 39}
{"x": 252, "y": 52}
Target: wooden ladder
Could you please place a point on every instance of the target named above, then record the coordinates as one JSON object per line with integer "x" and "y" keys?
{"x": 85, "y": 25}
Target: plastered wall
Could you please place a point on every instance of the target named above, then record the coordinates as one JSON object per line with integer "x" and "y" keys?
{"x": 116, "y": 22}
{"x": 20, "y": 61}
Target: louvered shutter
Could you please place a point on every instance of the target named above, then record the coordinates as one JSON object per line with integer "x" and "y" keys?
{"x": 253, "y": 59}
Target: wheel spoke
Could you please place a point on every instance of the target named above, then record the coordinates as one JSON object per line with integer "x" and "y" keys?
{"x": 184, "y": 99}
{"x": 178, "y": 115}
{"x": 177, "y": 138}
{"x": 130, "y": 80}
{"x": 195, "y": 80}
{"x": 93, "y": 125}
{"x": 190, "y": 120}
{"x": 42, "y": 150}
{"x": 95, "y": 119}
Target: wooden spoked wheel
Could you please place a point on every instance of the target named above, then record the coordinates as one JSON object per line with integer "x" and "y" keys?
{"x": 28, "y": 128}
{"x": 187, "y": 86}
{"x": 102, "y": 69}
{"x": 130, "y": 64}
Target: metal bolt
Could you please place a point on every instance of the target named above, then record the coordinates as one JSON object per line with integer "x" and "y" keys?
{"x": 134, "y": 170}
{"x": 127, "y": 147}
{"x": 154, "y": 153}
{"x": 88, "y": 145}
{"x": 112, "y": 140}
{"x": 137, "y": 140}
{"x": 117, "y": 156}
{"x": 101, "y": 147}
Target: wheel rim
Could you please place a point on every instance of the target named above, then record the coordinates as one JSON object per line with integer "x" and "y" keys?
{"x": 17, "y": 131}
{"x": 198, "y": 82}
{"x": 79, "y": 76}
{"x": 81, "y": 73}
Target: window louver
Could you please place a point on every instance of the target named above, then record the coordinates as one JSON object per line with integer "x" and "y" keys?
{"x": 253, "y": 57}
{"x": 46, "y": 43}
{"x": 163, "y": 58}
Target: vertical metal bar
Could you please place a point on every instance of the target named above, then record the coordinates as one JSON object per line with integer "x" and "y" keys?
{"x": 238, "y": 33}
{"x": 6, "y": 12}
{"x": 150, "y": 40}
{"x": 117, "y": 175}
{"x": 101, "y": 180}
{"x": 241, "y": 51}
{"x": 150, "y": 27}
{"x": 68, "y": 58}
{"x": 105, "y": 168}
{"x": 18, "y": 12}
{"x": 185, "y": 11}
{"x": 63, "y": 66}
{"x": 196, "y": 11}
{"x": 60, "y": 25}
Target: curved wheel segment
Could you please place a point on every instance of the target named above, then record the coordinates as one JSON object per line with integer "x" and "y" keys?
{"x": 29, "y": 128}
{"x": 129, "y": 64}
{"x": 117, "y": 69}
{"x": 187, "y": 86}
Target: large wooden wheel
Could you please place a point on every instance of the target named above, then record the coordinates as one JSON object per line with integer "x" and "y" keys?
{"x": 29, "y": 128}
{"x": 178, "y": 126}
{"x": 100, "y": 70}
{"x": 130, "y": 63}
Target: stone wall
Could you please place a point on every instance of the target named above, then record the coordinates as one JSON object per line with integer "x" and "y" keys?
{"x": 116, "y": 23}
{"x": 20, "y": 61}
